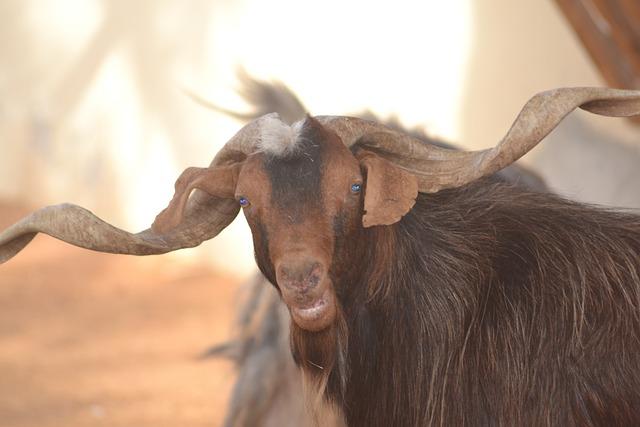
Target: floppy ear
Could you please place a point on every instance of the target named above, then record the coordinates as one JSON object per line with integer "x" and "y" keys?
{"x": 217, "y": 181}
{"x": 390, "y": 192}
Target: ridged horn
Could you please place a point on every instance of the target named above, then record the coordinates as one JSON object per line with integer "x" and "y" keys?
{"x": 439, "y": 168}
{"x": 204, "y": 217}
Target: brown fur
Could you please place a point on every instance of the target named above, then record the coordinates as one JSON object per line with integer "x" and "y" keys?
{"x": 262, "y": 383}
{"x": 496, "y": 307}
{"x": 486, "y": 304}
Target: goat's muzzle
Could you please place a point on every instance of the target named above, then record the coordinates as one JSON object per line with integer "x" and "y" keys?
{"x": 307, "y": 291}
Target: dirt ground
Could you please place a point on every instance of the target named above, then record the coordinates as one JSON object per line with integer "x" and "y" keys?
{"x": 89, "y": 339}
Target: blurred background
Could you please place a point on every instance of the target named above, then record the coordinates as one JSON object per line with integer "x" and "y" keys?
{"x": 93, "y": 111}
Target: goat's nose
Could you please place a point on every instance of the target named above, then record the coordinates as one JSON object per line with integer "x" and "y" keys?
{"x": 300, "y": 274}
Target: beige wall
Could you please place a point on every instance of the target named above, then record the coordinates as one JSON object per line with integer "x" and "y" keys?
{"x": 519, "y": 47}
{"x": 523, "y": 47}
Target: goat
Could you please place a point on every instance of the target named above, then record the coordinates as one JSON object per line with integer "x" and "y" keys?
{"x": 421, "y": 288}
{"x": 267, "y": 389}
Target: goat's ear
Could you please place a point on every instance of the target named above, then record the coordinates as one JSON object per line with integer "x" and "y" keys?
{"x": 390, "y": 192}
{"x": 217, "y": 181}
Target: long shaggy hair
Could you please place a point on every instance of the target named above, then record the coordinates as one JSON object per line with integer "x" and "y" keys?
{"x": 487, "y": 305}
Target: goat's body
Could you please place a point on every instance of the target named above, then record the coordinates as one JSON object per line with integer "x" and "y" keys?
{"x": 495, "y": 306}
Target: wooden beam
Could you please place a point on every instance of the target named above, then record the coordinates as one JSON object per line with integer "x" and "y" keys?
{"x": 610, "y": 31}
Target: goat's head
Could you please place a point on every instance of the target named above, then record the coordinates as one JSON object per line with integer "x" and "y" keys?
{"x": 302, "y": 195}
{"x": 302, "y": 192}
{"x": 293, "y": 191}
{"x": 308, "y": 189}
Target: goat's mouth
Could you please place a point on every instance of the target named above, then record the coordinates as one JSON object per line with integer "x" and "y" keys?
{"x": 315, "y": 314}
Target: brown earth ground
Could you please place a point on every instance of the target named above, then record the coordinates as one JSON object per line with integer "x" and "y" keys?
{"x": 89, "y": 339}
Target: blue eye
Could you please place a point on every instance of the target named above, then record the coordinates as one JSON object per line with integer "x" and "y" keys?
{"x": 243, "y": 201}
{"x": 355, "y": 188}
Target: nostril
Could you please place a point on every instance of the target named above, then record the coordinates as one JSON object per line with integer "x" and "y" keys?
{"x": 309, "y": 282}
{"x": 313, "y": 280}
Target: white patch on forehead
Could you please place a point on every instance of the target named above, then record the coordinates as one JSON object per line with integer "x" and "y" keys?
{"x": 278, "y": 138}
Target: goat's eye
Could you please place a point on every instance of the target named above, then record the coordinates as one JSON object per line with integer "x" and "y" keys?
{"x": 355, "y": 188}
{"x": 243, "y": 201}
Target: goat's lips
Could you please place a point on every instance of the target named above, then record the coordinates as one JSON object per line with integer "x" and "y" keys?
{"x": 315, "y": 315}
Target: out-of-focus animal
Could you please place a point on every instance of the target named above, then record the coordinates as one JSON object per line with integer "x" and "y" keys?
{"x": 422, "y": 287}
{"x": 266, "y": 97}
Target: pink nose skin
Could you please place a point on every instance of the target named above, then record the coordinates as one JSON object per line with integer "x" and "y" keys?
{"x": 307, "y": 291}
{"x": 301, "y": 275}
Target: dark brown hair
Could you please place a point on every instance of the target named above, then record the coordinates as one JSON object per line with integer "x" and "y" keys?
{"x": 486, "y": 305}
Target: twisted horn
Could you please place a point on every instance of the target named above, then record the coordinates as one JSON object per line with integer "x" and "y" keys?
{"x": 439, "y": 168}
{"x": 204, "y": 217}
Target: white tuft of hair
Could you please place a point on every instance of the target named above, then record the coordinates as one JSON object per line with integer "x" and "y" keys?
{"x": 278, "y": 138}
